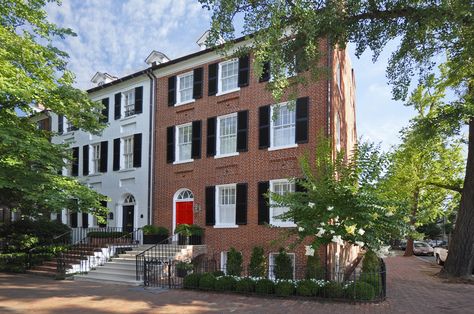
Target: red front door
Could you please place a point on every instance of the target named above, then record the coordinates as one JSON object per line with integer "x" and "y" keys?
{"x": 184, "y": 213}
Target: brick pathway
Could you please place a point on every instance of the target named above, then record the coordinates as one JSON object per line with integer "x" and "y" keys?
{"x": 412, "y": 288}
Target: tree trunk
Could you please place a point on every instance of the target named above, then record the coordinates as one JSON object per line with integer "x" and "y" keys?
{"x": 409, "y": 248}
{"x": 460, "y": 261}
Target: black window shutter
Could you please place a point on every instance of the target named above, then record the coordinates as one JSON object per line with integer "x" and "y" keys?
{"x": 117, "y": 105}
{"x": 105, "y": 110}
{"x": 85, "y": 220}
{"x": 241, "y": 204}
{"x": 264, "y": 127}
{"x": 211, "y": 136}
{"x": 299, "y": 188}
{"x": 302, "y": 121}
{"x": 137, "y": 150}
{"x": 85, "y": 160}
{"x": 116, "y": 165}
{"x": 242, "y": 130}
{"x": 244, "y": 67}
{"x": 75, "y": 161}
{"x": 210, "y": 205}
{"x": 196, "y": 142}
{"x": 171, "y": 91}
{"x": 263, "y": 207}
{"x": 104, "y": 149}
{"x": 139, "y": 99}
{"x": 60, "y": 124}
{"x": 170, "y": 144}
{"x": 265, "y": 72}
{"x": 197, "y": 83}
{"x": 73, "y": 222}
{"x": 213, "y": 76}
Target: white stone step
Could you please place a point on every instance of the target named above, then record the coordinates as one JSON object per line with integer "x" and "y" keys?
{"x": 115, "y": 271}
{"x": 106, "y": 278}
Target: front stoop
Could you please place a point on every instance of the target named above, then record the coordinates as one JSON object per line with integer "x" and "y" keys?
{"x": 120, "y": 270}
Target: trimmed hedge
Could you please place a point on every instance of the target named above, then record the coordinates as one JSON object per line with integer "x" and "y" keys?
{"x": 225, "y": 283}
{"x": 307, "y": 288}
{"x": 207, "y": 282}
{"x": 13, "y": 262}
{"x": 245, "y": 285}
{"x": 265, "y": 286}
{"x": 333, "y": 290}
{"x": 191, "y": 281}
{"x": 284, "y": 288}
{"x": 360, "y": 291}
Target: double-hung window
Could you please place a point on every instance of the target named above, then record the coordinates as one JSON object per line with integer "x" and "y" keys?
{"x": 184, "y": 142}
{"x": 129, "y": 102}
{"x": 280, "y": 187}
{"x": 96, "y": 158}
{"x": 228, "y": 75}
{"x": 226, "y": 205}
{"x": 128, "y": 152}
{"x": 185, "y": 88}
{"x": 227, "y": 135}
{"x": 282, "y": 125}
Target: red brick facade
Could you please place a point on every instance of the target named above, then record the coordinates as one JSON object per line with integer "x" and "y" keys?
{"x": 249, "y": 167}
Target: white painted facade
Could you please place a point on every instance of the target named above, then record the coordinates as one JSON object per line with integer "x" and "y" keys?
{"x": 120, "y": 184}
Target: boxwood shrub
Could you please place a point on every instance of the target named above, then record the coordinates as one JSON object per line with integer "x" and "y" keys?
{"x": 306, "y": 288}
{"x": 225, "y": 283}
{"x": 373, "y": 279}
{"x": 191, "y": 281}
{"x": 265, "y": 286}
{"x": 13, "y": 262}
{"x": 360, "y": 291}
{"x": 245, "y": 285}
{"x": 284, "y": 288}
{"x": 207, "y": 281}
{"x": 332, "y": 290}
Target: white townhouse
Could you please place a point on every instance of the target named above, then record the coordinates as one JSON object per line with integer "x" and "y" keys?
{"x": 118, "y": 162}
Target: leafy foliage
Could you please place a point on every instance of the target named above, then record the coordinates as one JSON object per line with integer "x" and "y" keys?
{"x": 258, "y": 265}
{"x": 245, "y": 285}
{"x": 307, "y": 288}
{"x": 207, "y": 281}
{"x": 191, "y": 281}
{"x": 360, "y": 291}
{"x": 284, "y": 288}
{"x": 234, "y": 262}
{"x": 314, "y": 269}
{"x": 264, "y": 286}
{"x": 33, "y": 73}
{"x": 283, "y": 267}
{"x": 225, "y": 283}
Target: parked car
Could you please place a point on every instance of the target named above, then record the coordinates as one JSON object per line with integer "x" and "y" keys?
{"x": 422, "y": 248}
{"x": 440, "y": 253}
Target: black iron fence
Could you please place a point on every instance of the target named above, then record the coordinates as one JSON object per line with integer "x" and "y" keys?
{"x": 298, "y": 281}
{"x": 96, "y": 247}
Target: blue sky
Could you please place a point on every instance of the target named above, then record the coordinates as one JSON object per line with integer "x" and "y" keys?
{"x": 116, "y": 37}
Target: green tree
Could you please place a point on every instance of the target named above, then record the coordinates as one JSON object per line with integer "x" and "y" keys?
{"x": 234, "y": 262}
{"x": 426, "y": 30}
{"x": 34, "y": 73}
{"x": 257, "y": 265}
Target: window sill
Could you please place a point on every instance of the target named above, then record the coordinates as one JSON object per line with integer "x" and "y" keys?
{"x": 226, "y": 155}
{"x": 225, "y": 226}
{"x": 283, "y": 225}
{"x": 282, "y": 147}
{"x": 127, "y": 170}
{"x": 228, "y": 91}
{"x": 184, "y": 102}
{"x": 128, "y": 117}
{"x": 94, "y": 174}
{"x": 183, "y": 161}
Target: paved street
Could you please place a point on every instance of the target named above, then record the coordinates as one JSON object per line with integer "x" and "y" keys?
{"x": 412, "y": 288}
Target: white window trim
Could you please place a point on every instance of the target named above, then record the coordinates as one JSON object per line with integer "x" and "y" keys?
{"x": 284, "y": 224}
{"x": 271, "y": 264}
{"x": 218, "y": 133}
{"x": 92, "y": 171}
{"x": 219, "y": 79}
{"x": 123, "y": 109}
{"x": 176, "y": 144}
{"x": 223, "y": 262}
{"x": 122, "y": 154}
{"x": 217, "y": 209}
{"x": 272, "y": 147}
{"x": 178, "y": 94}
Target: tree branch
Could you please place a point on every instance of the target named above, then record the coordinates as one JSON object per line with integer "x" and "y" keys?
{"x": 451, "y": 187}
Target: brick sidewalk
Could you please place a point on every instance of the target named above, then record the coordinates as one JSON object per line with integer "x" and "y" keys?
{"x": 412, "y": 288}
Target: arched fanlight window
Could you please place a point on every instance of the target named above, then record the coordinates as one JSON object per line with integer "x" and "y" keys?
{"x": 129, "y": 200}
{"x": 185, "y": 195}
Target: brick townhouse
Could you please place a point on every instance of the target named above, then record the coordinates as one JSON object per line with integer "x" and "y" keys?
{"x": 221, "y": 142}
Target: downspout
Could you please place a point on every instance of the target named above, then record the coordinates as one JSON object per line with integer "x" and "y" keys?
{"x": 151, "y": 145}
{"x": 328, "y": 125}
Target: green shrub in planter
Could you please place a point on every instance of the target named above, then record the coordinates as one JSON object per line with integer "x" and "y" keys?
{"x": 306, "y": 288}
{"x": 333, "y": 290}
{"x": 191, "y": 281}
{"x": 225, "y": 283}
{"x": 234, "y": 262}
{"x": 284, "y": 288}
{"x": 245, "y": 285}
{"x": 207, "y": 281}
{"x": 360, "y": 291}
{"x": 258, "y": 265}
{"x": 265, "y": 286}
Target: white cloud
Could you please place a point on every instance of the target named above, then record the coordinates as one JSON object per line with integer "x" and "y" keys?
{"x": 117, "y": 36}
